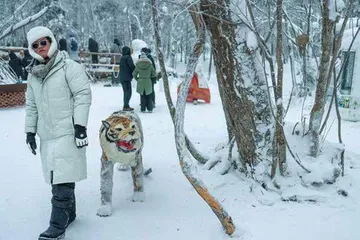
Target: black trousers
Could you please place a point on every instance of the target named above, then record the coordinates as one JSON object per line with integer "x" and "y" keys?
{"x": 146, "y": 102}
{"x": 63, "y": 195}
{"x": 63, "y": 205}
{"x": 94, "y": 58}
{"x": 127, "y": 92}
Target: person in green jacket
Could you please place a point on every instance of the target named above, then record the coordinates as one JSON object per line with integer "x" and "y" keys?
{"x": 143, "y": 73}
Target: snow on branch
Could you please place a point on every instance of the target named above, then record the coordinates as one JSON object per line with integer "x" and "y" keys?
{"x": 15, "y": 13}
{"x": 138, "y": 23}
{"x": 335, "y": 6}
{"x": 21, "y": 7}
{"x": 7, "y": 75}
{"x": 24, "y": 22}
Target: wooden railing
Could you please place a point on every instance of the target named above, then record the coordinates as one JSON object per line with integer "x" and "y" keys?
{"x": 84, "y": 60}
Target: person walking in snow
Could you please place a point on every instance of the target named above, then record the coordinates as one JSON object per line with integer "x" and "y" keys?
{"x": 126, "y": 69}
{"x": 115, "y": 48}
{"x": 143, "y": 73}
{"x": 58, "y": 99}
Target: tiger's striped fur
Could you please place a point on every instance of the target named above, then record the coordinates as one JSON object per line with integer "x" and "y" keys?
{"x": 121, "y": 140}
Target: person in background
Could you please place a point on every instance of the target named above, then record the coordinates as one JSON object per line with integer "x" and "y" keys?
{"x": 115, "y": 48}
{"x": 147, "y": 51}
{"x": 26, "y": 61}
{"x": 143, "y": 73}
{"x": 15, "y": 64}
{"x": 93, "y": 47}
{"x": 126, "y": 68}
{"x": 63, "y": 45}
{"x": 73, "y": 48}
{"x": 58, "y": 99}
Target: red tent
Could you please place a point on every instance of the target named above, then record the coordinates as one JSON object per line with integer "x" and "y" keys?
{"x": 196, "y": 92}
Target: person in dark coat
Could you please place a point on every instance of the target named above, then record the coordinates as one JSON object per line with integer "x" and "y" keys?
{"x": 26, "y": 61}
{"x": 93, "y": 47}
{"x": 147, "y": 51}
{"x": 126, "y": 69}
{"x": 15, "y": 64}
{"x": 63, "y": 45}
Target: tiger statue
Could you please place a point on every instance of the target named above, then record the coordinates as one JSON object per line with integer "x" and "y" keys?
{"x": 121, "y": 140}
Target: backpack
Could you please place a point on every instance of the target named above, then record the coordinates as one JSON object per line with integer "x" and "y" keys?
{"x": 73, "y": 44}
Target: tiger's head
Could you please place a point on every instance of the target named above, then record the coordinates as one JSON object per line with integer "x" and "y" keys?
{"x": 121, "y": 134}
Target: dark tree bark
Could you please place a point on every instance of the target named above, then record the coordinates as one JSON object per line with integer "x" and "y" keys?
{"x": 240, "y": 80}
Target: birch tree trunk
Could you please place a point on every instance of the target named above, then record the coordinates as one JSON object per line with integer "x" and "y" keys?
{"x": 129, "y": 22}
{"x": 279, "y": 149}
{"x": 330, "y": 46}
{"x": 318, "y": 109}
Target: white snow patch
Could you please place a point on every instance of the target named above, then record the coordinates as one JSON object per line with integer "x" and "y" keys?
{"x": 251, "y": 41}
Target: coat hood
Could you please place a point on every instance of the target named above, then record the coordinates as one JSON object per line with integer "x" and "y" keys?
{"x": 40, "y": 32}
{"x": 143, "y": 63}
{"x": 126, "y": 51}
{"x": 117, "y": 42}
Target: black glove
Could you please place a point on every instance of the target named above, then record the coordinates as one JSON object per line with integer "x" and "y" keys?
{"x": 31, "y": 142}
{"x": 81, "y": 139}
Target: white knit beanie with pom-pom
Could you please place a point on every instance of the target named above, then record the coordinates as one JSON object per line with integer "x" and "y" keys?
{"x": 37, "y": 33}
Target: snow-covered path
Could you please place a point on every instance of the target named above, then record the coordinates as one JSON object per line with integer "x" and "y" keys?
{"x": 172, "y": 209}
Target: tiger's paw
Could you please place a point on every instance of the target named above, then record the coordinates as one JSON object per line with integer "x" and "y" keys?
{"x": 138, "y": 197}
{"x": 104, "y": 210}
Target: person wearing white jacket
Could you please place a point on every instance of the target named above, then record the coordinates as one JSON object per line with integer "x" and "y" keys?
{"x": 58, "y": 99}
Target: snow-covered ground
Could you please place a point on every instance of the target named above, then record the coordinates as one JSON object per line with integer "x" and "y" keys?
{"x": 173, "y": 210}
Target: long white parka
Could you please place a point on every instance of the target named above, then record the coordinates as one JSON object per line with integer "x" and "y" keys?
{"x": 53, "y": 105}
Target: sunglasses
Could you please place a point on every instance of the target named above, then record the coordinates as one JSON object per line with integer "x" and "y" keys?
{"x": 36, "y": 45}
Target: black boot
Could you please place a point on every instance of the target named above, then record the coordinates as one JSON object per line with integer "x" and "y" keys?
{"x": 52, "y": 234}
{"x": 63, "y": 211}
{"x": 58, "y": 222}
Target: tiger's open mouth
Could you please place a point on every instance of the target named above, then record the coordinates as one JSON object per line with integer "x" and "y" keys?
{"x": 126, "y": 146}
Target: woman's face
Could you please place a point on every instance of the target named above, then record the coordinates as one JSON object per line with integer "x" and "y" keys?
{"x": 41, "y": 47}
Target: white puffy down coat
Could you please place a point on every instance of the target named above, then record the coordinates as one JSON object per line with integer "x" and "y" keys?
{"x": 53, "y": 106}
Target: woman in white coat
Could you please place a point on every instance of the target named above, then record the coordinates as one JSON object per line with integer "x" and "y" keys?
{"x": 58, "y": 99}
